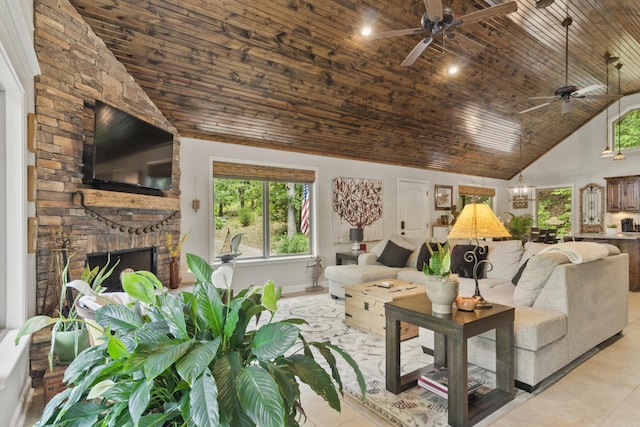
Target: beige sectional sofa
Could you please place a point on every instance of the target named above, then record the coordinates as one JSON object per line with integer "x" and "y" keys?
{"x": 563, "y": 308}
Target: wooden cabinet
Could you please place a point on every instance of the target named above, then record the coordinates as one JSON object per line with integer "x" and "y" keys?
{"x": 623, "y": 194}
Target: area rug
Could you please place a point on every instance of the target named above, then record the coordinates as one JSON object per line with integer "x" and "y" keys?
{"x": 413, "y": 407}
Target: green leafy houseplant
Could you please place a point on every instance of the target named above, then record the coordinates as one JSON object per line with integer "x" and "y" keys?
{"x": 195, "y": 359}
{"x": 440, "y": 261}
{"x": 520, "y": 225}
{"x": 66, "y": 317}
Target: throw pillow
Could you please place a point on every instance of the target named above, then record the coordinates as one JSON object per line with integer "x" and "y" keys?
{"x": 394, "y": 255}
{"x": 425, "y": 255}
{"x": 516, "y": 278}
{"x": 397, "y": 239}
{"x": 462, "y": 266}
{"x": 535, "y": 277}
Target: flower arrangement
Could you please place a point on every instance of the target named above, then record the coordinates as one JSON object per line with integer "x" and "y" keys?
{"x": 174, "y": 251}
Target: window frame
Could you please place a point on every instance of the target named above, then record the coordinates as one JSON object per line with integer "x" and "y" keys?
{"x": 572, "y": 203}
{"x": 266, "y": 257}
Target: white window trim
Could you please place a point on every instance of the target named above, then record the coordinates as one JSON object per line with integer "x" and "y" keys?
{"x": 314, "y": 212}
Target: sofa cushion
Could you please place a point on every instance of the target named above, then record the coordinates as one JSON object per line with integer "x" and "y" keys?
{"x": 354, "y": 274}
{"x": 535, "y": 276}
{"x": 394, "y": 255}
{"x": 530, "y": 249}
{"x": 462, "y": 265}
{"x": 517, "y": 276}
{"x": 535, "y": 327}
{"x": 504, "y": 256}
{"x": 398, "y": 240}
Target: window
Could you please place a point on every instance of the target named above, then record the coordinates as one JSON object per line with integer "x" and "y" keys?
{"x": 626, "y": 131}
{"x": 553, "y": 209}
{"x": 468, "y": 194}
{"x": 270, "y": 207}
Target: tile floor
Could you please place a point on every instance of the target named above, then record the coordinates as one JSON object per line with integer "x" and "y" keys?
{"x": 603, "y": 391}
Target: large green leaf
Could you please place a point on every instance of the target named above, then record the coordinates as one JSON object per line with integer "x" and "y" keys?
{"x": 331, "y": 360}
{"x": 354, "y": 366}
{"x": 287, "y": 384}
{"x": 232, "y": 318}
{"x": 193, "y": 364}
{"x": 93, "y": 356}
{"x": 269, "y": 298}
{"x": 117, "y": 317}
{"x": 52, "y": 408}
{"x": 140, "y": 286}
{"x": 158, "y": 359}
{"x": 140, "y": 397}
{"x": 82, "y": 414}
{"x": 173, "y": 314}
{"x": 273, "y": 340}
{"x": 210, "y": 308}
{"x": 117, "y": 349}
{"x": 99, "y": 389}
{"x": 313, "y": 374}
{"x": 225, "y": 370}
{"x": 204, "y": 401}
{"x": 200, "y": 268}
{"x": 34, "y": 324}
{"x": 260, "y": 397}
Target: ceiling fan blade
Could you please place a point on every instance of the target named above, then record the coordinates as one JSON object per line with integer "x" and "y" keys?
{"x": 416, "y": 52}
{"x": 543, "y": 97}
{"x": 586, "y": 89}
{"x": 434, "y": 10}
{"x": 395, "y": 33}
{"x": 535, "y": 108}
{"x": 490, "y": 12}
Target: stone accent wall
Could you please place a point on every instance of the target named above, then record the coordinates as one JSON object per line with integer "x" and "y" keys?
{"x": 77, "y": 68}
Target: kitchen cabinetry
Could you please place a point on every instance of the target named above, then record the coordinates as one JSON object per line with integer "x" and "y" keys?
{"x": 623, "y": 194}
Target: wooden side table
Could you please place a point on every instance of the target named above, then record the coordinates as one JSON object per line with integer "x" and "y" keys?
{"x": 451, "y": 332}
{"x": 347, "y": 257}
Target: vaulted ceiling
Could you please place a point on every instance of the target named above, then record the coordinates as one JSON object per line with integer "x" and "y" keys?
{"x": 296, "y": 75}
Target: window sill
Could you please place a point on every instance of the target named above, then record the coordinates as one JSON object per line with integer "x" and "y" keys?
{"x": 11, "y": 354}
{"x": 259, "y": 261}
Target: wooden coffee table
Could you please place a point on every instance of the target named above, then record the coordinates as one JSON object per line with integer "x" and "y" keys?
{"x": 364, "y": 305}
{"x": 451, "y": 332}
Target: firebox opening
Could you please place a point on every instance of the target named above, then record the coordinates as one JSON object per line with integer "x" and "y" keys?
{"x": 136, "y": 259}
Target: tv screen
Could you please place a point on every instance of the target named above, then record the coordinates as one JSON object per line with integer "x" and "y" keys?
{"x": 129, "y": 151}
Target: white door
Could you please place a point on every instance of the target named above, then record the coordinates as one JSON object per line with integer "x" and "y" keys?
{"x": 413, "y": 208}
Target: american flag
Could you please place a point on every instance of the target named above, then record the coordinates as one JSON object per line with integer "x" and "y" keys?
{"x": 304, "y": 211}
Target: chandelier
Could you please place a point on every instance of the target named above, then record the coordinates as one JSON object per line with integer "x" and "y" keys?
{"x": 619, "y": 155}
{"x": 521, "y": 192}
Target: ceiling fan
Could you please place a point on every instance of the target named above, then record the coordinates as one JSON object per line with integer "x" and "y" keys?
{"x": 438, "y": 19}
{"x": 569, "y": 92}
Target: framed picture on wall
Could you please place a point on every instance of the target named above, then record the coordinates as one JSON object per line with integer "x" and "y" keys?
{"x": 443, "y": 197}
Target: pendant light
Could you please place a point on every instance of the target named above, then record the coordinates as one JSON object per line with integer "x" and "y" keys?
{"x": 619, "y": 155}
{"x": 608, "y": 152}
{"x": 522, "y": 192}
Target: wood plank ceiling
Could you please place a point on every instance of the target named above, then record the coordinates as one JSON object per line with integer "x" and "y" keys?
{"x": 296, "y": 75}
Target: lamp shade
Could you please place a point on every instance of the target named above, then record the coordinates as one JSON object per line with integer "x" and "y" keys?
{"x": 356, "y": 234}
{"x": 477, "y": 221}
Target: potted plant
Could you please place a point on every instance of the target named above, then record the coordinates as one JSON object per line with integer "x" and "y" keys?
{"x": 441, "y": 284}
{"x": 69, "y": 335}
{"x": 611, "y": 229}
{"x": 194, "y": 359}
{"x": 519, "y": 225}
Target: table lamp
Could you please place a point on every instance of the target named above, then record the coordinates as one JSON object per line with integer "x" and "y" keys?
{"x": 356, "y": 235}
{"x": 477, "y": 221}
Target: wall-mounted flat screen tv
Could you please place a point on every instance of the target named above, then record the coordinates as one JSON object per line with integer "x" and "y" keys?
{"x": 130, "y": 152}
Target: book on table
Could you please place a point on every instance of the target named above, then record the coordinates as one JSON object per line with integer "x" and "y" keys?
{"x": 437, "y": 381}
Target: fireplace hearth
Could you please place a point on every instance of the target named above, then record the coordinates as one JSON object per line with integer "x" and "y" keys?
{"x": 136, "y": 259}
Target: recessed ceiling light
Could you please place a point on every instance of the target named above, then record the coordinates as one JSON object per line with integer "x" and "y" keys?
{"x": 453, "y": 69}
{"x": 365, "y": 31}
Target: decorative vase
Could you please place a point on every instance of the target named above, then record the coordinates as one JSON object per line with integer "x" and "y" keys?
{"x": 174, "y": 273}
{"x": 442, "y": 291}
{"x": 68, "y": 344}
{"x": 610, "y": 230}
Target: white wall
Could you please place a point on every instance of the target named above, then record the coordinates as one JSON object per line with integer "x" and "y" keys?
{"x": 577, "y": 161}
{"x": 195, "y": 160}
{"x": 18, "y": 65}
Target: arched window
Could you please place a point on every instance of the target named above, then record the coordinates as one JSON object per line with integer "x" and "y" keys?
{"x": 626, "y": 130}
